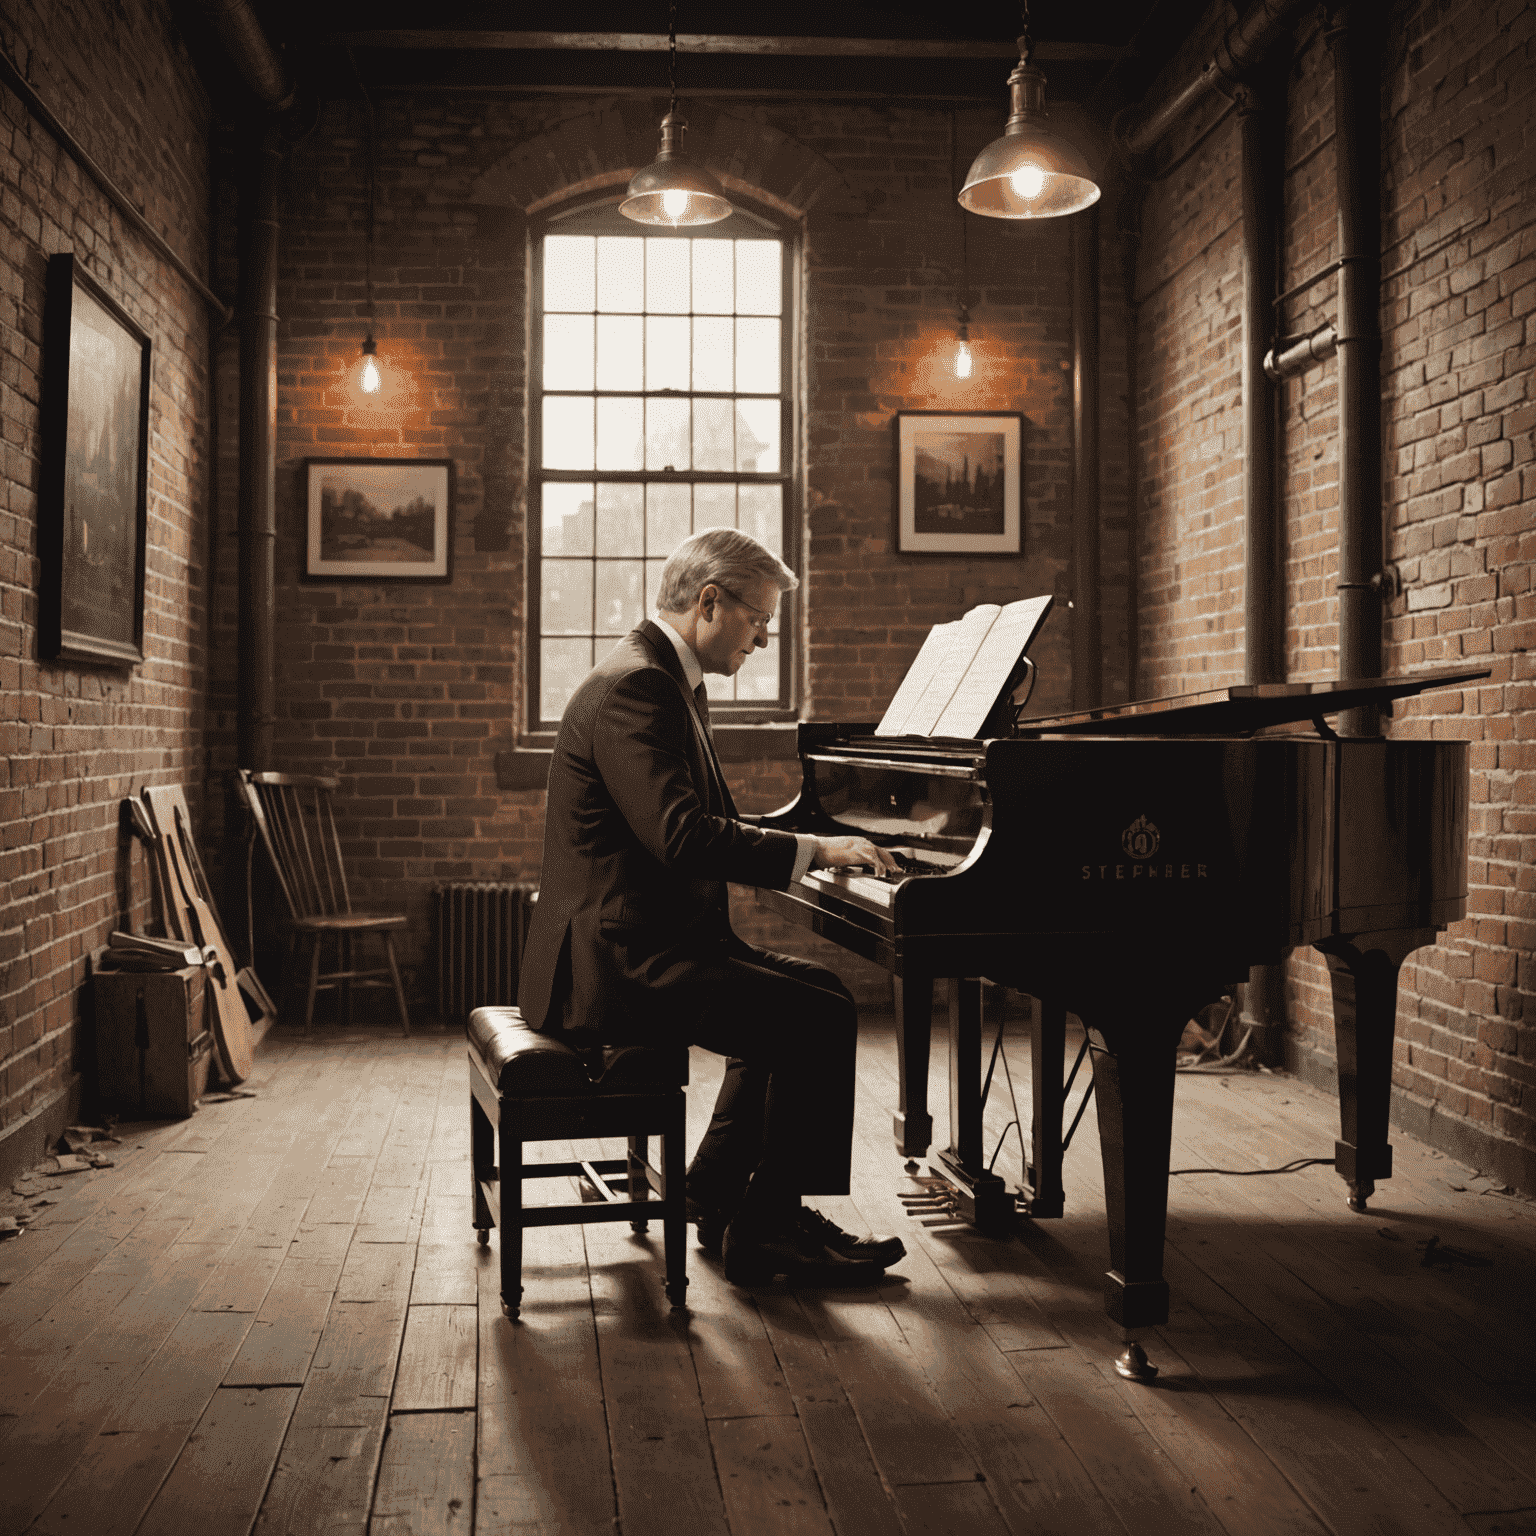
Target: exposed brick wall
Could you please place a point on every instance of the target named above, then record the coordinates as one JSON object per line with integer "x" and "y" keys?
{"x": 407, "y": 692}
{"x": 1459, "y": 264}
{"x": 79, "y": 738}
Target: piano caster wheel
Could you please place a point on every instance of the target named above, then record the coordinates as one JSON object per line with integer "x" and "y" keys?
{"x": 484, "y": 1237}
{"x": 910, "y": 1165}
{"x": 1132, "y": 1363}
{"x": 1359, "y": 1194}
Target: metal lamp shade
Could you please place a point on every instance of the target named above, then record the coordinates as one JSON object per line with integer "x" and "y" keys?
{"x": 1032, "y": 172}
{"x": 672, "y": 191}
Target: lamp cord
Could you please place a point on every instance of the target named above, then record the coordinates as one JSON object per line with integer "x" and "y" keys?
{"x": 672, "y": 54}
{"x": 964, "y": 295}
{"x": 372, "y": 157}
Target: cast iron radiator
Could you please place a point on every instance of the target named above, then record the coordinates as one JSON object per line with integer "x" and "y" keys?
{"x": 480, "y": 932}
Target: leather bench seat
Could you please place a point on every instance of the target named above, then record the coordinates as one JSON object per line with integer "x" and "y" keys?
{"x": 526, "y": 1063}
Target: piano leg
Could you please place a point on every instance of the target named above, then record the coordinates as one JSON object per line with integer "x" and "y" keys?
{"x": 1133, "y": 1088}
{"x": 1048, "y": 1047}
{"x": 912, "y": 1123}
{"x": 983, "y": 1198}
{"x": 1363, "y": 973}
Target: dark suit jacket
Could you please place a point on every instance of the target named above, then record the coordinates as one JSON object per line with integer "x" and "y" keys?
{"x": 640, "y": 838}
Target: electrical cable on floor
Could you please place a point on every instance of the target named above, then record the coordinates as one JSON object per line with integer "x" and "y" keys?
{"x": 1247, "y": 1173}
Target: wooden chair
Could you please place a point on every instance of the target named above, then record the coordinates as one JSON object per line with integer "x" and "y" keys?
{"x": 292, "y": 812}
{"x": 526, "y": 1086}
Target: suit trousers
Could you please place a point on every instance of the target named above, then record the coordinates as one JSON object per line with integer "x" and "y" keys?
{"x": 783, "y": 1119}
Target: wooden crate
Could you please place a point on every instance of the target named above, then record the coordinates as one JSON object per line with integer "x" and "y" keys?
{"x": 153, "y": 1044}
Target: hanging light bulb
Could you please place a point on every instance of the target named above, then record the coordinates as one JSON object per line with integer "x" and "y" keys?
{"x": 369, "y": 377}
{"x": 1032, "y": 172}
{"x": 964, "y": 362}
{"x": 672, "y": 190}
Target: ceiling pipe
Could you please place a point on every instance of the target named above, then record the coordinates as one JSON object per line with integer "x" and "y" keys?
{"x": 240, "y": 34}
{"x": 1244, "y": 45}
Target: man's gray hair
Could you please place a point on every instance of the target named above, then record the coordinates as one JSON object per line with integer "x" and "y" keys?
{"x": 725, "y": 556}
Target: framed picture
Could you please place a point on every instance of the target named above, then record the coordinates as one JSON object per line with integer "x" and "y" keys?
{"x": 94, "y": 473}
{"x": 378, "y": 519}
{"x": 958, "y": 482}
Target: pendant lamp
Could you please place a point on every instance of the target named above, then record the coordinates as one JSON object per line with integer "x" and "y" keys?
{"x": 1031, "y": 172}
{"x": 672, "y": 190}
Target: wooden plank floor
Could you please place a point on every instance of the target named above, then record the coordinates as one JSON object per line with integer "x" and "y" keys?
{"x": 274, "y": 1316}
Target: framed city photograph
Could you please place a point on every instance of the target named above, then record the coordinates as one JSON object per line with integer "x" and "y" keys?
{"x": 378, "y": 519}
{"x": 94, "y": 472}
{"x": 959, "y": 478}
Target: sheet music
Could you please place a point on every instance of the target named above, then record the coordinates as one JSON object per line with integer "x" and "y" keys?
{"x": 927, "y": 661}
{"x": 969, "y": 633}
{"x": 990, "y": 668}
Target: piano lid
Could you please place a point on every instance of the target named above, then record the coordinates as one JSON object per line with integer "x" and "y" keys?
{"x": 1244, "y": 708}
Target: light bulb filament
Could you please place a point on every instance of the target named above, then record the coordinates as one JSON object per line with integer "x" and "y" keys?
{"x": 370, "y": 379}
{"x": 963, "y": 360}
{"x": 674, "y": 203}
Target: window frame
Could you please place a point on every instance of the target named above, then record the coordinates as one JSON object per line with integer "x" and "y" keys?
{"x": 598, "y": 217}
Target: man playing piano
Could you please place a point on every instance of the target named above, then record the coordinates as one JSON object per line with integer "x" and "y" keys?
{"x": 631, "y": 936}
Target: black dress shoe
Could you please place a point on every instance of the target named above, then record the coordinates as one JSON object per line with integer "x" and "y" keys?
{"x": 711, "y": 1224}
{"x": 753, "y": 1258}
{"x": 881, "y": 1250}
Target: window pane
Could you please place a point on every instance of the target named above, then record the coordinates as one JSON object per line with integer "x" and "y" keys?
{"x": 621, "y": 519}
{"x": 666, "y": 434}
{"x": 759, "y": 675}
{"x": 565, "y": 603}
{"x": 653, "y": 570}
{"x": 570, "y": 268}
{"x": 666, "y": 276}
{"x": 667, "y": 520}
{"x": 714, "y": 285}
{"x": 620, "y": 273}
{"x": 567, "y": 520}
{"x": 562, "y": 665}
{"x": 759, "y": 282}
{"x": 713, "y": 435}
{"x": 567, "y": 352}
{"x": 761, "y": 514}
{"x": 567, "y": 433}
{"x": 619, "y": 339}
{"x": 713, "y": 365}
{"x": 757, "y": 436}
{"x": 714, "y": 506}
{"x": 666, "y": 354}
{"x": 619, "y": 595}
{"x": 757, "y": 356}
{"x": 618, "y": 434}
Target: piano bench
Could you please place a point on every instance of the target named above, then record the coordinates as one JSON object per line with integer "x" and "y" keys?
{"x": 526, "y": 1086}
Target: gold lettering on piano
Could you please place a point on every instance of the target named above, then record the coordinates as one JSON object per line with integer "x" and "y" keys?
{"x": 1145, "y": 872}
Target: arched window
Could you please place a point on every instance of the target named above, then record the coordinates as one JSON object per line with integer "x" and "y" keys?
{"x": 661, "y": 394}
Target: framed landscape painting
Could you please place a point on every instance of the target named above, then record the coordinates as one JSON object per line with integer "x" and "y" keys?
{"x": 959, "y": 481}
{"x": 378, "y": 519}
{"x": 94, "y": 472}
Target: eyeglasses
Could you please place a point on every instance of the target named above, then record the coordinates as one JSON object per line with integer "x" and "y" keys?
{"x": 760, "y": 618}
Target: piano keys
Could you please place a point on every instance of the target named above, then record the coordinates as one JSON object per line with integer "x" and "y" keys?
{"x": 1128, "y": 865}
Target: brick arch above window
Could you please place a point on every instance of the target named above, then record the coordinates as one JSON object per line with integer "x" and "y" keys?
{"x": 604, "y": 147}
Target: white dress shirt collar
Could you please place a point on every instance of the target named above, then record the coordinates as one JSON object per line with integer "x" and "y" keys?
{"x": 691, "y": 668}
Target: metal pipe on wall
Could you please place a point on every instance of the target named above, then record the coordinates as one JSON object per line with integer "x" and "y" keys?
{"x": 1087, "y": 643}
{"x": 1263, "y": 575}
{"x": 240, "y": 32}
{"x": 257, "y": 663}
{"x": 1357, "y": 139}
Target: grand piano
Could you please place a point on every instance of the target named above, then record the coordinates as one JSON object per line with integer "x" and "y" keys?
{"x": 1128, "y": 865}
